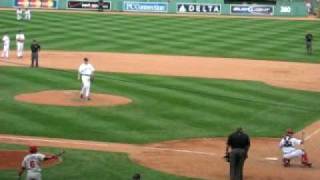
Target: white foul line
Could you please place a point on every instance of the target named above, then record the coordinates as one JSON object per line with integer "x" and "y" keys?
{"x": 312, "y": 134}
{"x": 181, "y": 150}
{"x": 76, "y": 142}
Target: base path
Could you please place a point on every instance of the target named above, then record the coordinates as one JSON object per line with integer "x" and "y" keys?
{"x": 200, "y": 158}
{"x": 301, "y": 76}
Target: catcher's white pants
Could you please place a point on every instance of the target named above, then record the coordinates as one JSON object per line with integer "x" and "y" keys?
{"x": 293, "y": 154}
{"x": 86, "y": 83}
{"x": 33, "y": 176}
{"x": 19, "y": 49}
{"x": 5, "y": 52}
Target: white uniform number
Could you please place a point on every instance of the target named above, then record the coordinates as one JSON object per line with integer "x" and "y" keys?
{"x": 32, "y": 162}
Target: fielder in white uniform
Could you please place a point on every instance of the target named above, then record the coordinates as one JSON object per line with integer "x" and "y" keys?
{"x": 86, "y": 73}
{"x": 287, "y": 145}
{"x": 19, "y": 13}
{"x": 32, "y": 164}
{"x": 20, "y": 43}
{"x": 6, "y": 46}
{"x": 27, "y": 14}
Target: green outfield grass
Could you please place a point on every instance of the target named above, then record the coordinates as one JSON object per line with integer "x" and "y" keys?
{"x": 163, "y": 108}
{"x": 85, "y": 165}
{"x": 223, "y": 37}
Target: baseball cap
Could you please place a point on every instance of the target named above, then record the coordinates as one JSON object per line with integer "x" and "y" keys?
{"x": 33, "y": 149}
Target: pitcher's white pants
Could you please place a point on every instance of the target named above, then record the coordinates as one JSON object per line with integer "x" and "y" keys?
{"x": 19, "y": 49}
{"x": 5, "y": 52}
{"x": 86, "y": 83}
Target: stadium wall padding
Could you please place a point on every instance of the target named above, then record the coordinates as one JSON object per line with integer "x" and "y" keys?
{"x": 282, "y": 7}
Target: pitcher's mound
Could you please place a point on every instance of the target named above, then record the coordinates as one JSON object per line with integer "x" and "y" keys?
{"x": 71, "y": 98}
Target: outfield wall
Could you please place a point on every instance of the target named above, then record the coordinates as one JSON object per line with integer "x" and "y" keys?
{"x": 281, "y": 8}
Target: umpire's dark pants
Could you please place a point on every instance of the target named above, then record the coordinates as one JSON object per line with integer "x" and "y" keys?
{"x": 309, "y": 47}
{"x": 237, "y": 158}
{"x": 34, "y": 59}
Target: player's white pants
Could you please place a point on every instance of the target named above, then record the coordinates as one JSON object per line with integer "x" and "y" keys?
{"x": 27, "y": 16}
{"x": 293, "y": 154}
{"x": 5, "y": 52}
{"x": 19, "y": 16}
{"x": 19, "y": 49}
{"x": 33, "y": 176}
{"x": 86, "y": 83}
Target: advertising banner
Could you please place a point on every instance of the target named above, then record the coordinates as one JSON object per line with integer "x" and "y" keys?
{"x": 36, "y": 3}
{"x": 198, "y": 8}
{"x": 160, "y": 7}
{"x": 285, "y": 9}
{"x": 252, "y": 9}
{"x": 83, "y": 4}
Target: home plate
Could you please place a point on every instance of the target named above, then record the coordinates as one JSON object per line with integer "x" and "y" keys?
{"x": 271, "y": 158}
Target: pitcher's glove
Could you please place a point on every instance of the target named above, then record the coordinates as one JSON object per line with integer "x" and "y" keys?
{"x": 92, "y": 78}
{"x": 227, "y": 157}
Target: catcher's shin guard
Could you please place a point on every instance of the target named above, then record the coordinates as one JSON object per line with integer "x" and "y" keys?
{"x": 286, "y": 162}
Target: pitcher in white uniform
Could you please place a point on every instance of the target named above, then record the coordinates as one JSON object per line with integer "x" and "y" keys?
{"x": 287, "y": 145}
{"x": 32, "y": 164}
{"x": 20, "y": 43}
{"x": 86, "y": 73}
{"x": 6, "y": 46}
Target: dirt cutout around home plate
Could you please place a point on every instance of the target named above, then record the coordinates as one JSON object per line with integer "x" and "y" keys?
{"x": 201, "y": 158}
{"x": 13, "y": 159}
{"x": 71, "y": 98}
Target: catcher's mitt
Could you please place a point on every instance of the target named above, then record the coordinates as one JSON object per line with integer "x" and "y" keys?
{"x": 227, "y": 157}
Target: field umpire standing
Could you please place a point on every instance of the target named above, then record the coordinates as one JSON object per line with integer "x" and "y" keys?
{"x": 35, "y": 48}
{"x": 239, "y": 142}
{"x": 308, "y": 39}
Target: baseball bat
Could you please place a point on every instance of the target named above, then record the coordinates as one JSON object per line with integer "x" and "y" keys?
{"x": 59, "y": 155}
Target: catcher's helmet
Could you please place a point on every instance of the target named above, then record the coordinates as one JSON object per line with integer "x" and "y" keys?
{"x": 33, "y": 149}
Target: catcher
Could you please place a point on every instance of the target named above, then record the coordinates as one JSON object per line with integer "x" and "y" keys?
{"x": 31, "y": 163}
{"x": 287, "y": 145}
{"x": 86, "y": 71}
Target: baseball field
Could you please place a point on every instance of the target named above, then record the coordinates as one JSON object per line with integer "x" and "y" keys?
{"x": 189, "y": 81}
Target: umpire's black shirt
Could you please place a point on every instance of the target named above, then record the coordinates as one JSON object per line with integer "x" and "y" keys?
{"x": 239, "y": 139}
{"x": 35, "y": 47}
{"x": 309, "y": 37}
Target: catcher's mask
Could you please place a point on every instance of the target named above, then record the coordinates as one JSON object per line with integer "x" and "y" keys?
{"x": 290, "y": 131}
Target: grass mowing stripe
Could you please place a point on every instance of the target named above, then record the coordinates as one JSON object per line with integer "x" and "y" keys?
{"x": 245, "y": 38}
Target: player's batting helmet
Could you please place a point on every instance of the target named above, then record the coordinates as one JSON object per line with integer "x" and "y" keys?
{"x": 33, "y": 149}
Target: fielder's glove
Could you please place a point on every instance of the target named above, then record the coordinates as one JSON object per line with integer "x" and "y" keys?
{"x": 92, "y": 78}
